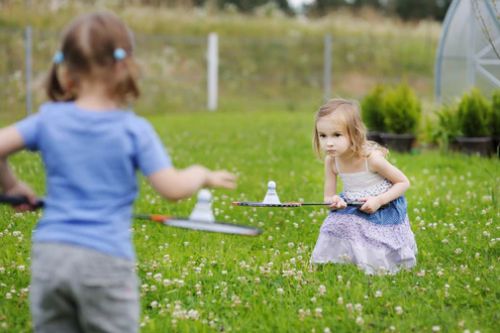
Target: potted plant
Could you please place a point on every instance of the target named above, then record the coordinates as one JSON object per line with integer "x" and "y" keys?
{"x": 402, "y": 111}
{"x": 474, "y": 116}
{"x": 495, "y": 122}
{"x": 372, "y": 112}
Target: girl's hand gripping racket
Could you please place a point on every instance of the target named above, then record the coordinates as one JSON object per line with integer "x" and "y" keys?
{"x": 180, "y": 222}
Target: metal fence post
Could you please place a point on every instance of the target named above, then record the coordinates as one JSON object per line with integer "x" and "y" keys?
{"x": 327, "y": 67}
{"x": 212, "y": 70}
{"x": 28, "y": 42}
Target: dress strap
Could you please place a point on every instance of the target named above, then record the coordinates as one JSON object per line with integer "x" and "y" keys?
{"x": 337, "y": 165}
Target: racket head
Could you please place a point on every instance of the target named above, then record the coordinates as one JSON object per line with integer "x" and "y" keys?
{"x": 218, "y": 227}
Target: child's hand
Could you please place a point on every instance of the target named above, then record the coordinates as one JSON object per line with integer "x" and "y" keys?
{"x": 222, "y": 179}
{"x": 371, "y": 205}
{"x": 337, "y": 202}
{"x": 23, "y": 190}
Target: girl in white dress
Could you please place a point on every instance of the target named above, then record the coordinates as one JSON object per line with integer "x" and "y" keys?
{"x": 376, "y": 236}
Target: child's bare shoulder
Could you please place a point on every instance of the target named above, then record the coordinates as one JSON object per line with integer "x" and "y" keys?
{"x": 376, "y": 158}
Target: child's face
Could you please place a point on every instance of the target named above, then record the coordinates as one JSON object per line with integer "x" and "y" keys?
{"x": 333, "y": 138}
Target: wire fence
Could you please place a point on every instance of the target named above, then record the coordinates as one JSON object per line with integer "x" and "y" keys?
{"x": 253, "y": 73}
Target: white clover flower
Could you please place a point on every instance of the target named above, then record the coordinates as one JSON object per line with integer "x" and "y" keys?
{"x": 8, "y": 296}
{"x": 378, "y": 293}
{"x": 280, "y": 291}
{"x": 318, "y": 312}
{"x": 436, "y": 328}
{"x": 358, "y": 307}
{"x": 313, "y": 299}
{"x": 322, "y": 290}
{"x": 359, "y": 320}
{"x": 458, "y": 250}
{"x": 340, "y": 300}
{"x": 154, "y": 304}
{"x": 327, "y": 330}
{"x": 349, "y": 307}
{"x": 193, "y": 314}
{"x": 399, "y": 310}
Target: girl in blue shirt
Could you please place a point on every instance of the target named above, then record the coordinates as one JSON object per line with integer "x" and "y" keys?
{"x": 83, "y": 277}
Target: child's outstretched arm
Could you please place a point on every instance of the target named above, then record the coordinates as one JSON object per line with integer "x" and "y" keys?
{"x": 330, "y": 191}
{"x": 380, "y": 165}
{"x": 10, "y": 142}
{"x": 175, "y": 184}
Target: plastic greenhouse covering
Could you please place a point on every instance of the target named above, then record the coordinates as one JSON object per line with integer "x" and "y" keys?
{"x": 469, "y": 50}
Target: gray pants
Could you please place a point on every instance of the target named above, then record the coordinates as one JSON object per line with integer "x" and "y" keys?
{"x": 75, "y": 289}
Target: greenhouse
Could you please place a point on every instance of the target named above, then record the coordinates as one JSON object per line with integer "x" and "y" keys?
{"x": 469, "y": 50}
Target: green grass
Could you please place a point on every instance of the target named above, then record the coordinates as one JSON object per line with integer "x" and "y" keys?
{"x": 265, "y": 284}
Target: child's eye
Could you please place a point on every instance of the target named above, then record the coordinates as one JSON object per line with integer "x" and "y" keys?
{"x": 321, "y": 135}
{"x": 337, "y": 134}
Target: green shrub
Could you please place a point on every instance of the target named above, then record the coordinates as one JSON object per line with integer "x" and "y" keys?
{"x": 372, "y": 109}
{"x": 495, "y": 114}
{"x": 474, "y": 115}
{"x": 402, "y": 110}
{"x": 447, "y": 127}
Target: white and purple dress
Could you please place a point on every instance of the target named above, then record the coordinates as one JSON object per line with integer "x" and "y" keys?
{"x": 377, "y": 243}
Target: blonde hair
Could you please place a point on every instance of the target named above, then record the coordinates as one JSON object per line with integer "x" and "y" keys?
{"x": 348, "y": 114}
{"x": 88, "y": 51}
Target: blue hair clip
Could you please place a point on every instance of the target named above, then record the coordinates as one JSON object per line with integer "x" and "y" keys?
{"x": 58, "y": 57}
{"x": 119, "y": 54}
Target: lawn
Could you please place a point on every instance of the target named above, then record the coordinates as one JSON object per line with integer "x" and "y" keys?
{"x": 203, "y": 282}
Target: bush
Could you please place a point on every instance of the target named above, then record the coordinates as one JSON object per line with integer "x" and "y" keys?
{"x": 372, "y": 109}
{"x": 474, "y": 115}
{"x": 495, "y": 114}
{"x": 448, "y": 126}
{"x": 402, "y": 110}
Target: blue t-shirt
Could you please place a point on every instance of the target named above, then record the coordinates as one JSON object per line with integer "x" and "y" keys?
{"x": 90, "y": 161}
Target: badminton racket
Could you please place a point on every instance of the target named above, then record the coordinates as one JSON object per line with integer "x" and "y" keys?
{"x": 172, "y": 221}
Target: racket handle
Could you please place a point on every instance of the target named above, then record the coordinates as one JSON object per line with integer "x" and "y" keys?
{"x": 18, "y": 200}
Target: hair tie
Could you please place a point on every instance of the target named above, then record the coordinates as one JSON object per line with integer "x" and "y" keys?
{"x": 58, "y": 57}
{"x": 119, "y": 54}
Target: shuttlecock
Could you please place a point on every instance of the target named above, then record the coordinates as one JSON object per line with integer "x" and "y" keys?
{"x": 271, "y": 195}
{"x": 203, "y": 209}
